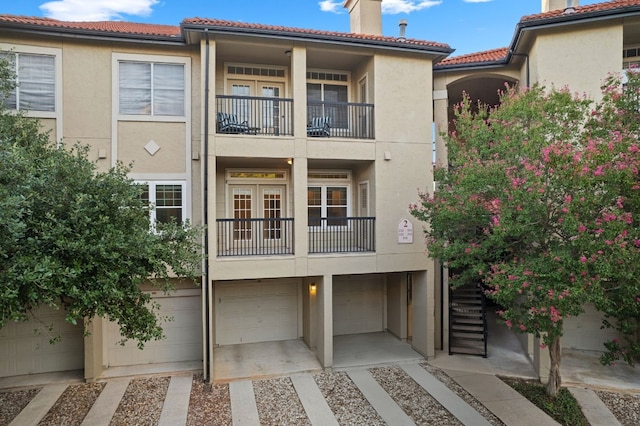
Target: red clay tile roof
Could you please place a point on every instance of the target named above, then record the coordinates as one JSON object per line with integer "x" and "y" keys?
{"x": 116, "y": 27}
{"x": 598, "y": 7}
{"x": 493, "y": 55}
{"x": 231, "y": 25}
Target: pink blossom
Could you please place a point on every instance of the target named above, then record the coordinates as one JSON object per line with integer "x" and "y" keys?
{"x": 598, "y": 171}
{"x": 583, "y": 259}
{"x": 582, "y": 228}
{"x": 508, "y": 323}
{"x": 522, "y": 327}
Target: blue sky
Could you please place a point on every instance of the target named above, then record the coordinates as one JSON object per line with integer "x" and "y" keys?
{"x": 466, "y": 25}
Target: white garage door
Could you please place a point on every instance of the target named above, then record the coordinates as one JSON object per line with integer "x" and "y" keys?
{"x": 252, "y": 311}
{"x": 358, "y": 304}
{"x": 24, "y": 352}
{"x": 583, "y": 332}
{"x": 183, "y": 340}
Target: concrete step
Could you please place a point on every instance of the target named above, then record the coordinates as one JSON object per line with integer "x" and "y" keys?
{"x": 468, "y": 336}
{"x": 468, "y": 328}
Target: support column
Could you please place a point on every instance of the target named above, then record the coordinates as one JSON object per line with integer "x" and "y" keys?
{"x": 441, "y": 121}
{"x": 423, "y": 313}
{"x": 93, "y": 349}
{"x": 541, "y": 361}
{"x": 325, "y": 321}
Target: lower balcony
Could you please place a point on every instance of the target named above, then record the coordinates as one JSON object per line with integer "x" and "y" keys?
{"x": 275, "y": 236}
{"x": 254, "y": 237}
{"x": 342, "y": 235}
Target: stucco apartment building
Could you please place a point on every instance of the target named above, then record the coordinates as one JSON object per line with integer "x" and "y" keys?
{"x": 565, "y": 45}
{"x": 299, "y": 150}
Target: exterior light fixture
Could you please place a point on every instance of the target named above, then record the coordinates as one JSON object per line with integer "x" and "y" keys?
{"x": 313, "y": 288}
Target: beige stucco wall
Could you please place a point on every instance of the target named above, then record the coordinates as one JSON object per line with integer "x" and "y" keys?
{"x": 578, "y": 57}
{"x": 134, "y": 135}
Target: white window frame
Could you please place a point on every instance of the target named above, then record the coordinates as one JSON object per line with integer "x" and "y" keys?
{"x": 117, "y": 58}
{"x": 323, "y": 184}
{"x": 152, "y": 185}
{"x": 44, "y": 51}
{"x": 325, "y": 82}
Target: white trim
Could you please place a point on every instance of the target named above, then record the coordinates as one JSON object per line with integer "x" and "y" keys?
{"x": 229, "y": 179}
{"x": 255, "y": 79}
{"x": 158, "y": 176}
{"x": 440, "y": 94}
{"x": 57, "y": 54}
{"x": 186, "y": 198}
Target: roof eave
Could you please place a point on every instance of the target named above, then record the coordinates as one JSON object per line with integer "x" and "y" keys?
{"x": 439, "y": 51}
{"x": 570, "y": 19}
{"x": 93, "y": 34}
{"x": 471, "y": 65}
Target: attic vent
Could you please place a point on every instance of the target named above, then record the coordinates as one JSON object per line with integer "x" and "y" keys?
{"x": 326, "y": 76}
{"x": 267, "y": 72}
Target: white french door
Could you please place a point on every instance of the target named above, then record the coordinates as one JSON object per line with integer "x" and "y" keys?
{"x": 264, "y": 112}
{"x": 257, "y": 210}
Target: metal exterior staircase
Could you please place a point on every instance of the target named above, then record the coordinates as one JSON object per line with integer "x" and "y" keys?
{"x": 467, "y": 321}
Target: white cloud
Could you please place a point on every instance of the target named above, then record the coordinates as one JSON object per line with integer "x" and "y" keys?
{"x": 392, "y": 7}
{"x": 389, "y": 7}
{"x": 96, "y": 10}
{"x": 330, "y": 6}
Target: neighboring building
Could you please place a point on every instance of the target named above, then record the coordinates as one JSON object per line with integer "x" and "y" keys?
{"x": 226, "y": 122}
{"x": 566, "y": 45}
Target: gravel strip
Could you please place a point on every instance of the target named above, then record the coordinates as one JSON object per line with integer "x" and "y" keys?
{"x": 142, "y": 402}
{"x": 624, "y": 406}
{"x": 73, "y": 405}
{"x": 412, "y": 397}
{"x": 278, "y": 403}
{"x": 346, "y": 401}
{"x": 209, "y": 404}
{"x": 459, "y": 390}
{"x": 12, "y": 402}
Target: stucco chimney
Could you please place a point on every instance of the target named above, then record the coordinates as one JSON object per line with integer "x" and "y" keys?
{"x": 550, "y": 5}
{"x": 365, "y": 16}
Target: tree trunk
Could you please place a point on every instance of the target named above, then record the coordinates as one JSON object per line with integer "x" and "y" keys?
{"x": 553, "y": 385}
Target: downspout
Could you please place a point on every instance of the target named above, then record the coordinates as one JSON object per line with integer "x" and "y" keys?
{"x": 526, "y": 57}
{"x": 207, "y": 308}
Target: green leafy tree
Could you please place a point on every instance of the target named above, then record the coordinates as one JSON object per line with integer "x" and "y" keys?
{"x": 538, "y": 203}
{"x": 77, "y": 239}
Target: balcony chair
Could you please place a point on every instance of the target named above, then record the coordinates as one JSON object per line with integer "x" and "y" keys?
{"x": 228, "y": 123}
{"x": 319, "y": 127}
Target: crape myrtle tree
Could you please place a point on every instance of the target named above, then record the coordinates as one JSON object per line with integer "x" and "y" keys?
{"x": 77, "y": 239}
{"x": 540, "y": 202}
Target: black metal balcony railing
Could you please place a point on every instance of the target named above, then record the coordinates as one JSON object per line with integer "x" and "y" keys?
{"x": 348, "y": 120}
{"x": 254, "y": 237}
{"x": 256, "y": 115}
{"x": 342, "y": 235}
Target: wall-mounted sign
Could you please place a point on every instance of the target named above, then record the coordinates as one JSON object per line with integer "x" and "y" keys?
{"x": 405, "y": 232}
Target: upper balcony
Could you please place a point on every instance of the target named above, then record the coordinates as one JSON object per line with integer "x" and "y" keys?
{"x": 259, "y": 90}
{"x": 270, "y": 116}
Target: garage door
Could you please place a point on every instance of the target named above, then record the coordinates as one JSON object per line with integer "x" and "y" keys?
{"x": 252, "y": 311}
{"x": 183, "y": 340}
{"x": 358, "y": 304}
{"x": 24, "y": 352}
{"x": 583, "y": 332}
